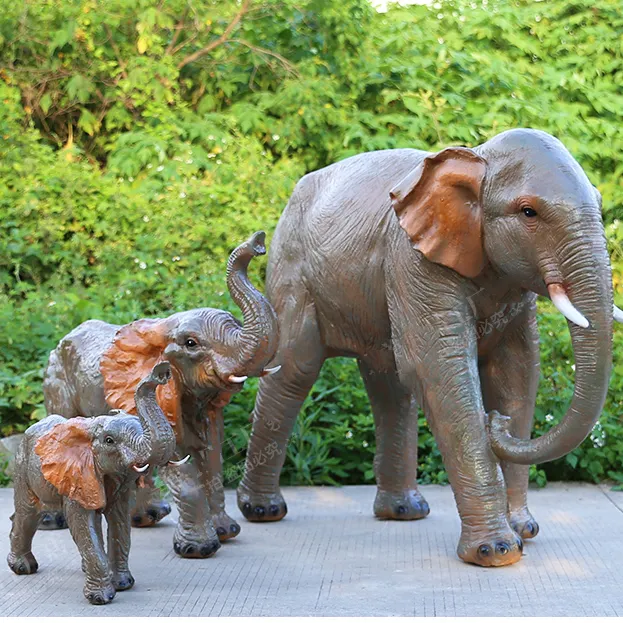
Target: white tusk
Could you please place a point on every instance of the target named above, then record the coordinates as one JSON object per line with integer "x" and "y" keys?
{"x": 565, "y": 306}
{"x": 269, "y": 371}
{"x": 140, "y": 469}
{"x": 617, "y": 313}
{"x": 180, "y": 462}
{"x": 237, "y": 379}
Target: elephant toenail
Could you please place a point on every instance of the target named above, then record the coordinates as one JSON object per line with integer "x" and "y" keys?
{"x": 234, "y": 528}
{"x": 520, "y": 545}
{"x": 152, "y": 514}
{"x": 188, "y": 549}
{"x": 221, "y": 531}
{"x": 137, "y": 519}
{"x": 502, "y": 548}
{"x": 530, "y": 528}
{"x": 209, "y": 549}
{"x": 46, "y": 519}
{"x": 165, "y": 508}
{"x": 401, "y": 510}
{"x": 273, "y": 510}
{"x": 176, "y": 548}
{"x": 484, "y": 551}
{"x": 246, "y": 508}
{"x": 60, "y": 521}
{"x": 259, "y": 511}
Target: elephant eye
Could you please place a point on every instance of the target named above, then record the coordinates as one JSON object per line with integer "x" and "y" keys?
{"x": 529, "y": 212}
{"x": 190, "y": 343}
{"x": 109, "y": 440}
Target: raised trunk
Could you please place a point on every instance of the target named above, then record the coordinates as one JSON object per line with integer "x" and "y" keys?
{"x": 587, "y": 281}
{"x": 158, "y": 436}
{"x": 255, "y": 344}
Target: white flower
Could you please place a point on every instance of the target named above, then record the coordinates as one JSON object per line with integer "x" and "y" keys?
{"x": 182, "y": 195}
{"x": 128, "y": 292}
{"x": 549, "y": 417}
{"x": 160, "y": 168}
{"x": 275, "y": 137}
{"x": 158, "y": 261}
{"x": 136, "y": 260}
{"x": 189, "y": 161}
{"x": 349, "y": 434}
{"x": 146, "y": 218}
{"x": 365, "y": 444}
{"x": 130, "y": 179}
{"x": 142, "y": 266}
{"x": 51, "y": 303}
{"x": 176, "y": 258}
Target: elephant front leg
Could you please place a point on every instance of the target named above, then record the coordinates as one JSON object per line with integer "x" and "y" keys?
{"x": 210, "y": 467}
{"x": 510, "y": 378}
{"x": 85, "y": 529}
{"x": 445, "y": 362}
{"x": 195, "y": 535}
{"x": 149, "y": 507}
{"x": 118, "y": 519}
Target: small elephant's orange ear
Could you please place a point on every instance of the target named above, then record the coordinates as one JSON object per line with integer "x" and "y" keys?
{"x": 67, "y": 463}
{"x": 438, "y": 204}
{"x": 136, "y": 349}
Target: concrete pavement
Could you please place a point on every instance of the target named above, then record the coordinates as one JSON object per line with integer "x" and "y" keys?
{"x": 329, "y": 556}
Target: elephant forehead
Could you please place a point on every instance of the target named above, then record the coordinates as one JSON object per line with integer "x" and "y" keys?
{"x": 201, "y": 321}
{"x": 121, "y": 423}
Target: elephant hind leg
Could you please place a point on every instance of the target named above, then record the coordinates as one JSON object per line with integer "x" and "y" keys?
{"x": 25, "y": 519}
{"x": 395, "y": 464}
{"x": 301, "y": 354}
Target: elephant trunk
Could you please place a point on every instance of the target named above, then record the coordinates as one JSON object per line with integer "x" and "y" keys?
{"x": 585, "y": 298}
{"x": 255, "y": 344}
{"x": 158, "y": 437}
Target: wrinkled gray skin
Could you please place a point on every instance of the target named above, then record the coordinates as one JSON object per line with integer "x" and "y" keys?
{"x": 73, "y": 385}
{"x": 120, "y": 442}
{"x": 346, "y": 280}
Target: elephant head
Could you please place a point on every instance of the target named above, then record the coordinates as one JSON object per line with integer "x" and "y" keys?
{"x": 523, "y": 206}
{"x": 78, "y": 454}
{"x": 209, "y": 350}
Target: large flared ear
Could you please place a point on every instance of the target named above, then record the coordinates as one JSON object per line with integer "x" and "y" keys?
{"x": 136, "y": 349}
{"x": 438, "y": 205}
{"x": 68, "y": 464}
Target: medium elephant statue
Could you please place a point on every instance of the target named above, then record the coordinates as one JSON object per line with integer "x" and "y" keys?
{"x": 425, "y": 267}
{"x": 88, "y": 467}
{"x": 98, "y": 365}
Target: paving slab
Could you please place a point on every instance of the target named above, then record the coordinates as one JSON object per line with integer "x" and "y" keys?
{"x": 330, "y": 556}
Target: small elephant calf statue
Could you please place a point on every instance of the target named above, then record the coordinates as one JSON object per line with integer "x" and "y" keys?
{"x": 88, "y": 467}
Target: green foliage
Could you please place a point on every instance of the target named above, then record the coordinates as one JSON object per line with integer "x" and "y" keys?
{"x": 141, "y": 141}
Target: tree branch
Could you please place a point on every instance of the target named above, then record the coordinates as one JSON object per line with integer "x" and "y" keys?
{"x": 214, "y": 44}
{"x": 284, "y": 61}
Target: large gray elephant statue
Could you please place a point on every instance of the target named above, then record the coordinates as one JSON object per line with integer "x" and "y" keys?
{"x": 426, "y": 267}
{"x": 88, "y": 467}
{"x": 97, "y": 366}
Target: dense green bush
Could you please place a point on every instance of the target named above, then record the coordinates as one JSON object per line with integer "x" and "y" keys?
{"x": 141, "y": 140}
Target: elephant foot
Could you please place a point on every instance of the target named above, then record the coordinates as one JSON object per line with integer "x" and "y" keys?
{"x": 490, "y": 549}
{"x": 150, "y": 515}
{"x": 22, "y": 565}
{"x": 226, "y": 527}
{"x": 52, "y": 520}
{"x": 122, "y": 580}
{"x": 402, "y": 506}
{"x": 189, "y": 544}
{"x": 523, "y": 523}
{"x": 261, "y": 507}
{"x": 99, "y": 595}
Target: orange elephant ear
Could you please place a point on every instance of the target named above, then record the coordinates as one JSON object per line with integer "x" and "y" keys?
{"x": 438, "y": 206}
{"x": 67, "y": 463}
{"x": 136, "y": 349}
